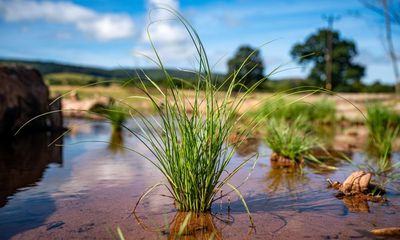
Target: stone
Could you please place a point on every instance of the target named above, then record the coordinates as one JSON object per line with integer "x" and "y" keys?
{"x": 23, "y": 96}
{"x": 357, "y": 182}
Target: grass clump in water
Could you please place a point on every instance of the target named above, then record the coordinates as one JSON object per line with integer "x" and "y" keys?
{"x": 117, "y": 115}
{"x": 383, "y": 128}
{"x": 189, "y": 140}
{"x": 290, "y": 139}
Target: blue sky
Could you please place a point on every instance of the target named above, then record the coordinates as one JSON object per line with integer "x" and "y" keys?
{"x": 112, "y": 33}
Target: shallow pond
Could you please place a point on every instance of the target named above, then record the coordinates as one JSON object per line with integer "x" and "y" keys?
{"x": 88, "y": 189}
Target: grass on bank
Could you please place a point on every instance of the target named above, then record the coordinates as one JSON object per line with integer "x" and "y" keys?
{"x": 73, "y": 79}
{"x": 383, "y": 128}
{"x": 322, "y": 111}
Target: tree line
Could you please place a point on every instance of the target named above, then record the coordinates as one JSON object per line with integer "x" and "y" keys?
{"x": 346, "y": 73}
{"x": 331, "y": 57}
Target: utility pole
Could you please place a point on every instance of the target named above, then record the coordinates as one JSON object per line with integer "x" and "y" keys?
{"x": 328, "y": 51}
{"x": 392, "y": 51}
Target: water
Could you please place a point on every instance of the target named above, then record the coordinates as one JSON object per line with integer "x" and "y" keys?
{"x": 87, "y": 189}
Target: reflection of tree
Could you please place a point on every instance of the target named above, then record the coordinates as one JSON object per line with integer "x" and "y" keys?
{"x": 23, "y": 161}
{"x": 289, "y": 178}
{"x": 116, "y": 143}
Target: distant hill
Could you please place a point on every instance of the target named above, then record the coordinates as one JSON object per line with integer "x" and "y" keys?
{"x": 56, "y": 73}
{"x": 47, "y": 68}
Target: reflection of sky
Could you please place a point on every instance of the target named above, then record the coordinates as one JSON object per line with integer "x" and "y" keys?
{"x": 98, "y": 167}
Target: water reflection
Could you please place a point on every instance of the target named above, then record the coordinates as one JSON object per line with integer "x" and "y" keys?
{"x": 116, "y": 143}
{"x": 194, "y": 226}
{"x": 355, "y": 204}
{"x": 24, "y": 160}
{"x": 286, "y": 179}
{"x": 96, "y": 186}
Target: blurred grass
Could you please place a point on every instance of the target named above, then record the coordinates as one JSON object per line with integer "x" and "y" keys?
{"x": 70, "y": 78}
{"x": 322, "y": 111}
{"x": 290, "y": 139}
{"x": 383, "y": 127}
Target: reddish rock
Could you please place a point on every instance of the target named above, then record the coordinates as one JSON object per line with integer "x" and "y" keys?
{"x": 23, "y": 95}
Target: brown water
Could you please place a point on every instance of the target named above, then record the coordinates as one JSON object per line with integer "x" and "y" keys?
{"x": 87, "y": 190}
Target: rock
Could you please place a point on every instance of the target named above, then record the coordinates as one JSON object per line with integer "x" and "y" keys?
{"x": 357, "y": 191}
{"x": 357, "y": 182}
{"x": 56, "y": 118}
{"x": 23, "y": 96}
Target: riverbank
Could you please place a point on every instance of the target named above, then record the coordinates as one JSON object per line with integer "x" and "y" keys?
{"x": 349, "y": 106}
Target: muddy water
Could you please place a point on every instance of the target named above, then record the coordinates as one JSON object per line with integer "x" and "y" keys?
{"x": 87, "y": 190}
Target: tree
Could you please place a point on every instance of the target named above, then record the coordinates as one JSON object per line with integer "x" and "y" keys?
{"x": 390, "y": 11}
{"x": 344, "y": 72}
{"x": 253, "y": 69}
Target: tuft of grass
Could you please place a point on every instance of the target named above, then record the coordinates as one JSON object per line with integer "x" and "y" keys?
{"x": 383, "y": 128}
{"x": 386, "y": 171}
{"x": 117, "y": 115}
{"x": 290, "y": 139}
{"x": 189, "y": 139}
{"x": 323, "y": 111}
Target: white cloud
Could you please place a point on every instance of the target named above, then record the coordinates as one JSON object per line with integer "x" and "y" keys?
{"x": 100, "y": 26}
{"x": 167, "y": 33}
{"x": 162, "y": 29}
{"x": 108, "y": 27}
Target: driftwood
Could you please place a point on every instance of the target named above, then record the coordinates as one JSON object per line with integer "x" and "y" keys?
{"x": 388, "y": 232}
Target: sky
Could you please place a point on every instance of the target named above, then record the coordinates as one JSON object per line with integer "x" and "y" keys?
{"x": 114, "y": 33}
